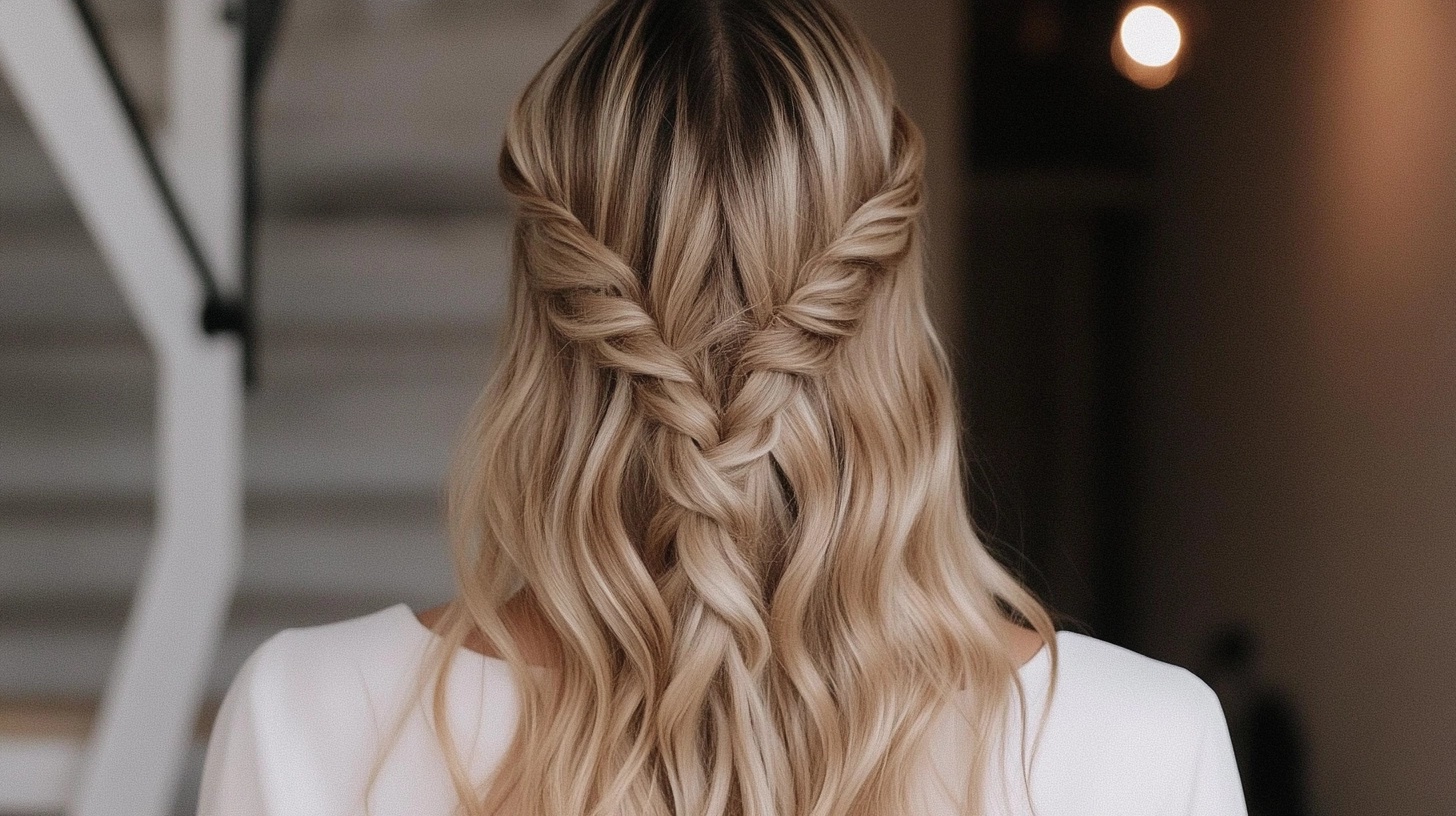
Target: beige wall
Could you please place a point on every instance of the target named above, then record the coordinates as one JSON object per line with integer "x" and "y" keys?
{"x": 923, "y": 42}
{"x": 1302, "y": 388}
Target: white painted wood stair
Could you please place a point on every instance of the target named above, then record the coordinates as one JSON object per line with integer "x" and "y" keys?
{"x": 382, "y": 277}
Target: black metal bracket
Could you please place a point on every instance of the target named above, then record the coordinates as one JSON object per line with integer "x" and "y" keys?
{"x": 220, "y": 313}
{"x": 259, "y": 20}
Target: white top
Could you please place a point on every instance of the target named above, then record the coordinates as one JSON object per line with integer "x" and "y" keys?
{"x": 299, "y": 731}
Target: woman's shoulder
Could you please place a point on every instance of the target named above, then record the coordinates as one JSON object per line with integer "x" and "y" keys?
{"x": 1104, "y": 676}
{"x": 304, "y": 719}
{"x": 1125, "y": 733}
{"x": 367, "y": 649}
{"x": 385, "y": 629}
{"x": 330, "y": 681}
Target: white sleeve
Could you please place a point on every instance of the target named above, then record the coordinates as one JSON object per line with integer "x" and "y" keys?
{"x": 234, "y": 780}
{"x": 1216, "y": 789}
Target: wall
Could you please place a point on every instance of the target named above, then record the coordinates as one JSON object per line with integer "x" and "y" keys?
{"x": 923, "y": 43}
{"x": 1301, "y": 379}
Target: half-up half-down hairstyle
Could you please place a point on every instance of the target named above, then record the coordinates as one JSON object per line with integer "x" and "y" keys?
{"x": 721, "y": 447}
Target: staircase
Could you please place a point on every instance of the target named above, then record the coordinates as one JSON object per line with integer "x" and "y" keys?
{"x": 382, "y": 279}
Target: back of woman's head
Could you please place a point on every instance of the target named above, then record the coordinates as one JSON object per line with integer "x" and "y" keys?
{"x": 720, "y": 450}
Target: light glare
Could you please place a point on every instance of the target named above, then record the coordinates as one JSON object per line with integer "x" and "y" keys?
{"x": 1150, "y": 36}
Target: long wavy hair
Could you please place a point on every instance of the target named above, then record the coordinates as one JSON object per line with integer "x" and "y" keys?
{"x": 721, "y": 449}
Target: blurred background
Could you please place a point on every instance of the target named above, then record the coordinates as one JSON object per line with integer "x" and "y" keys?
{"x": 1199, "y": 284}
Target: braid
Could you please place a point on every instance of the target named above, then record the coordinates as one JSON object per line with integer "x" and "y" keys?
{"x": 701, "y": 459}
{"x": 777, "y": 361}
{"x": 594, "y": 299}
{"x": 764, "y": 423}
{"x": 802, "y": 333}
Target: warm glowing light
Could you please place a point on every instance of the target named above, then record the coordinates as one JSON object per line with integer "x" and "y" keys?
{"x": 1150, "y": 36}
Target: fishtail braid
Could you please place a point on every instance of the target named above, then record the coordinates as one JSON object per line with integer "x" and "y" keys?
{"x": 763, "y": 428}
{"x": 594, "y": 299}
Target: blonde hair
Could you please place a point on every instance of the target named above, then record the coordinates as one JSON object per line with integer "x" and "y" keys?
{"x": 721, "y": 446}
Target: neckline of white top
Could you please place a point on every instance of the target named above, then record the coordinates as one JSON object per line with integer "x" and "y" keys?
{"x": 403, "y": 611}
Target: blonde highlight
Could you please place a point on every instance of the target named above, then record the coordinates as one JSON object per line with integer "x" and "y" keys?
{"x": 721, "y": 451}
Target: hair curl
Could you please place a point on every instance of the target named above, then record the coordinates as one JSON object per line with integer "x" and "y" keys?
{"x": 721, "y": 446}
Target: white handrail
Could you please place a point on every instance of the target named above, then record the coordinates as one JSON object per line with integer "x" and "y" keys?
{"x": 145, "y": 724}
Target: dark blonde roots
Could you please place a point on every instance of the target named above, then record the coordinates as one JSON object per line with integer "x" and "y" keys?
{"x": 721, "y": 447}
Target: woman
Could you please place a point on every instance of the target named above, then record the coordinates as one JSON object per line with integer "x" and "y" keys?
{"x": 712, "y": 551}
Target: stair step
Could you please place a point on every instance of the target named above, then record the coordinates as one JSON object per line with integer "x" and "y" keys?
{"x": 364, "y": 273}
{"x": 361, "y": 547}
{"x": 69, "y": 718}
{"x": 42, "y": 745}
{"x": 37, "y": 774}
{"x": 61, "y": 647}
{"x": 332, "y": 416}
{"x": 333, "y": 14}
{"x": 418, "y": 101}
